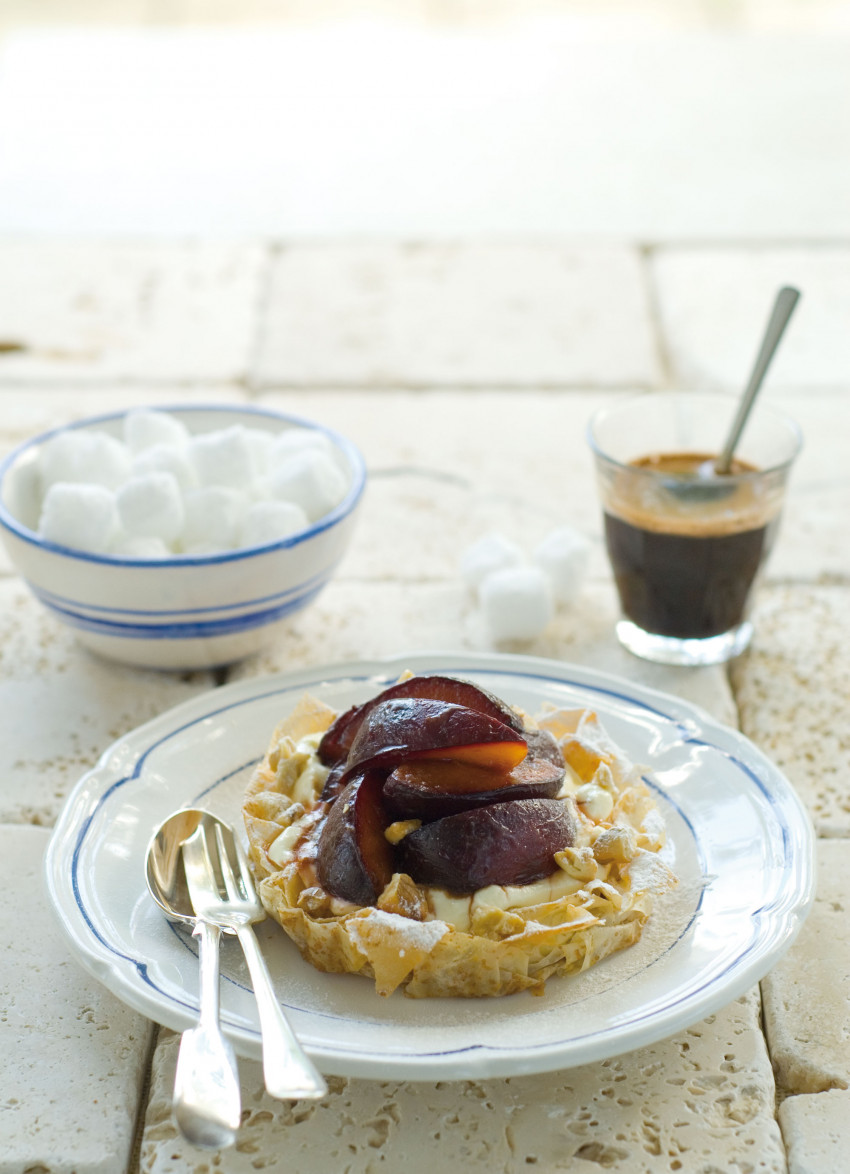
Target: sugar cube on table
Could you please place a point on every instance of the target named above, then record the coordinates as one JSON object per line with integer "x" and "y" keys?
{"x": 563, "y": 556}
{"x": 269, "y": 521}
{"x": 81, "y": 455}
{"x": 84, "y": 517}
{"x": 151, "y": 506}
{"x": 213, "y": 515}
{"x": 224, "y": 457}
{"x": 145, "y": 427}
{"x": 516, "y": 602}
{"x": 311, "y": 479}
{"x": 492, "y": 552}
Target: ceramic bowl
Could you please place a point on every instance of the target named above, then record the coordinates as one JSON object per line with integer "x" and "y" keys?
{"x": 183, "y": 611}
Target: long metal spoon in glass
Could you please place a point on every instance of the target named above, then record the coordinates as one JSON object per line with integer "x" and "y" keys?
{"x": 706, "y": 482}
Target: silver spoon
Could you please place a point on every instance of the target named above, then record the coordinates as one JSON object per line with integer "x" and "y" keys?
{"x": 207, "y": 1099}
{"x": 223, "y": 894}
{"x": 783, "y": 308}
{"x": 702, "y": 484}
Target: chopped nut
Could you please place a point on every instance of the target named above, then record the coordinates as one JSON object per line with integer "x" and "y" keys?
{"x": 604, "y": 778}
{"x": 396, "y": 832}
{"x": 315, "y": 902}
{"x": 617, "y": 844}
{"x": 403, "y": 896}
{"x": 488, "y": 921}
{"x": 577, "y": 862}
{"x": 272, "y": 807}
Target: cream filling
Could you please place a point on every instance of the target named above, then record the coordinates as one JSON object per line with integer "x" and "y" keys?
{"x": 459, "y": 911}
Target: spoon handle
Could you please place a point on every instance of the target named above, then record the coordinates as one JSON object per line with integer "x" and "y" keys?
{"x": 783, "y": 307}
{"x": 288, "y": 1073}
{"x": 207, "y": 1102}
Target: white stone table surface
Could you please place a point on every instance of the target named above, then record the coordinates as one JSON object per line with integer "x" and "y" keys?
{"x": 466, "y": 375}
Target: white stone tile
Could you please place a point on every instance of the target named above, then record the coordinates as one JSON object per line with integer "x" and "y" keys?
{"x": 361, "y": 621}
{"x": 791, "y": 688}
{"x": 81, "y": 310}
{"x": 61, "y": 707}
{"x": 458, "y": 314}
{"x": 713, "y": 305}
{"x": 806, "y": 995}
{"x": 812, "y": 542}
{"x": 814, "y": 1129}
{"x": 74, "y": 1057}
{"x": 700, "y": 1101}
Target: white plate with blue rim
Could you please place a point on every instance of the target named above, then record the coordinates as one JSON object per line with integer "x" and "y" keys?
{"x": 738, "y": 839}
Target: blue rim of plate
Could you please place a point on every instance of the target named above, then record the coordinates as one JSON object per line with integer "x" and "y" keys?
{"x": 788, "y": 907}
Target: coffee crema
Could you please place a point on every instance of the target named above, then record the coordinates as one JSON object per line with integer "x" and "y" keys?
{"x": 686, "y": 548}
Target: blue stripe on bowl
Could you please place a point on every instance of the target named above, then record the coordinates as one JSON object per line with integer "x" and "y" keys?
{"x": 190, "y": 630}
{"x": 63, "y": 604}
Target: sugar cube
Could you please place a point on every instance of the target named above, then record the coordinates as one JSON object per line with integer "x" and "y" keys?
{"x": 563, "y": 556}
{"x": 167, "y": 458}
{"x": 260, "y": 445}
{"x": 224, "y": 457}
{"x": 269, "y": 521}
{"x": 297, "y": 440}
{"x": 212, "y": 518}
{"x": 126, "y": 545}
{"x": 22, "y": 491}
{"x": 492, "y": 552}
{"x": 516, "y": 602}
{"x": 147, "y": 426}
{"x": 82, "y": 455}
{"x": 311, "y": 479}
{"x": 151, "y": 506}
{"x": 81, "y": 516}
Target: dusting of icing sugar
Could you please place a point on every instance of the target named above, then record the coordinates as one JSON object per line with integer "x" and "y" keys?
{"x": 653, "y": 825}
{"x": 421, "y": 935}
{"x": 649, "y": 873}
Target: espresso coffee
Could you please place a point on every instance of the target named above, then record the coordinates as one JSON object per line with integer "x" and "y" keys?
{"x": 685, "y": 551}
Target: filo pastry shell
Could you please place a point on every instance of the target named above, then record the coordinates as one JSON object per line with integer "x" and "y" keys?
{"x": 496, "y": 942}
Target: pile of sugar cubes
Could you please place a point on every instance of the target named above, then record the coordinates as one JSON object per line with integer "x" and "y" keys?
{"x": 161, "y": 490}
{"x": 518, "y": 596}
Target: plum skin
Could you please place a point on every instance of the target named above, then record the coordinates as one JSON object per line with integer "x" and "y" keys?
{"x": 354, "y": 860}
{"x": 336, "y": 742}
{"x": 407, "y": 728}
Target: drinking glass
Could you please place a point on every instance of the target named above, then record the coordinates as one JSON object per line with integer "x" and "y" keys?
{"x": 687, "y": 545}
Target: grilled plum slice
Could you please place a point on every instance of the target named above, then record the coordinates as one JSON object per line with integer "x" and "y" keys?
{"x": 335, "y": 781}
{"x": 503, "y": 844}
{"x": 354, "y": 860}
{"x": 430, "y": 790}
{"x": 414, "y": 727}
{"x": 542, "y": 744}
{"x": 337, "y": 741}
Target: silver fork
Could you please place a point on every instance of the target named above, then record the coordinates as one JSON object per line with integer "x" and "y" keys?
{"x": 221, "y": 886}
